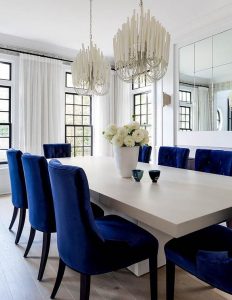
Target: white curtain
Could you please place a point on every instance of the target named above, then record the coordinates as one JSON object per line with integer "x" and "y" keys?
{"x": 205, "y": 109}
{"x": 103, "y": 115}
{"x": 41, "y": 96}
{"x": 113, "y": 108}
{"x": 123, "y": 102}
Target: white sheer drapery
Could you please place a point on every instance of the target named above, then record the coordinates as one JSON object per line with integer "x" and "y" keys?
{"x": 41, "y": 94}
{"x": 113, "y": 108}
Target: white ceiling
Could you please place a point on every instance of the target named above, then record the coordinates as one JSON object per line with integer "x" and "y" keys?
{"x": 66, "y": 23}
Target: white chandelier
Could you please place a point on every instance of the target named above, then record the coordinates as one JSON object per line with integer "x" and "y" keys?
{"x": 90, "y": 70}
{"x": 141, "y": 47}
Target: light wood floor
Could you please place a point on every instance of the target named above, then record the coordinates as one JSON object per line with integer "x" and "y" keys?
{"x": 18, "y": 275}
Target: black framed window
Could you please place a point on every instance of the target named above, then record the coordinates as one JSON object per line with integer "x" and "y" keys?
{"x": 5, "y": 121}
{"x": 78, "y": 123}
{"x": 143, "y": 110}
{"x": 185, "y": 96}
{"x": 140, "y": 82}
{"x": 68, "y": 80}
{"x": 5, "y": 71}
{"x": 185, "y": 118}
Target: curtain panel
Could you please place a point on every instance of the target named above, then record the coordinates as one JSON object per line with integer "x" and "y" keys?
{"x": 41, "y": 96}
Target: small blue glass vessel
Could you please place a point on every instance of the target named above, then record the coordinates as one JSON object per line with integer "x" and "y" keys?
{"x": 154, "y": 175}
{"x": 137, "y": 174}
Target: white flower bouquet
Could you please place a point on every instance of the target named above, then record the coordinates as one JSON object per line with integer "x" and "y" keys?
{"x": 129, "y": 135}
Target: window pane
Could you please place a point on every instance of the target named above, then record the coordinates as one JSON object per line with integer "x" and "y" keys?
{"x": 144, "y": 99}
{"x": 4, "y": 105}
{"x": 5, "y": 69}
{"x": 70, "y": 140}
{"x": 137, "y": 109}
{"x": 135, "y": 83}
{"x": 143, "y": 109}
{"x": 78, "y": 131}
{"x": 87, "y": 151}
{"x": 4, "y": 92}
{"x": 137, "y": 99}
{"x": 69, "y": 120}
{"x": 78, "y": 151}
{"x": 69, "y": 99}
{"x": 78, "y": 110}
{"x": 70, "y": 131}
{"x": 77, "y": 120}
{"x": 79, "y": 141}
{"x": 86, "y": 110}
{"x": 69, "y": 109}
{"x": 86, "y": 100}
{"x": 78, "y": 99}
{"x": 3, "y": 155}
{"x": 137, "y": 119}
{"x": 86, "y": 120}
{"x": 87, "y": 141}
{"x": 143, "y": 119}
{"x": 4, "y": 143}
{"x": 69, "y": 82}
{"x": 87, "y": 131}
{"x": 149, "y": 109}
{"x": 4, "y": 117}
{"x": 4, "y": 131}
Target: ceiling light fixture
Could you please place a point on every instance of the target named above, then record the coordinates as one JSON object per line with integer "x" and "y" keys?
{"x": 90, "y": 70}
{"x": 141, "y": 46}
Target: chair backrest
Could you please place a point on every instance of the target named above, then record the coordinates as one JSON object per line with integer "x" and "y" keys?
{"x": 57, "y": 150}
{"x": 214, "y": 161}
{"x": 39, "y": 194}
{"x": 77, "y": 235}
{"x": 173, "y": 157}
{"x": 144, "y": 154}
{"x": 18, "y": 188}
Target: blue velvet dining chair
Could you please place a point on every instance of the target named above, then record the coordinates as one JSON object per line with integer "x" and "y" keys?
{"x": 18, "y": 189}
{"x": 173, "y": 157}
{"x": 144, "y": 153}
{"x": 205, "y": 254}
{"x": 90, "y": 246}
{"x": 40, "y": 204}
{"x": 214, "y": 161}
{"x": 57, "y": 150}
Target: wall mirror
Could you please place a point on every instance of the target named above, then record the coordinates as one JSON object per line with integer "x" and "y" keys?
{"x": 205, "y": 84}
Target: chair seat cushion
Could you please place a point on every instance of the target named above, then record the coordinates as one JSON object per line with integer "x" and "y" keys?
{"x": 98, "y": 212}
{"x": 205, "y": 254}
{"x": 126, "y": 243}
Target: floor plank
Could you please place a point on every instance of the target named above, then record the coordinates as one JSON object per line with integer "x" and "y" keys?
{"x": 18, "y": 276}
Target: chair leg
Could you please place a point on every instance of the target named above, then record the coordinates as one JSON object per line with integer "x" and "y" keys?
{"x": 21, "y": 224}
{"x": 45, "y": 250}
{"x": 30, "y": 241}
{"x": 85, "y": 287}
{"x": 170, "y": 280}
{"x": 15, "y": 213}
{"x": 153, "y": 277}
{"x": 59, "y": 277}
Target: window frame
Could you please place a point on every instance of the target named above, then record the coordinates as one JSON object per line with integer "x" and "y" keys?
{"x": 186, "y": 122}
{"x": 10, "y": 64}
{"x": 80, "y": 126}
{"x": 9, "y": 123}
{"x": 139, "y": 86}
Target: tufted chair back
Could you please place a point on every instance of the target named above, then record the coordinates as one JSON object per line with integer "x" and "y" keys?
{"x": 173, "y": 157}
{"x": 214, "y": 161}
{"x": 57, "y": 150}
{"x": 144, "y": 154}
{"x": 40, "y": 201}
{"x": 18, "y": 188}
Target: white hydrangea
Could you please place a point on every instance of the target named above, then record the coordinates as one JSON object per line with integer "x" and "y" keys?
{"x": 112, "y": 129}
{"x": 138, "y": 135}
{"x": 134, "y": 126}
{"x": 129, "y": 141}
{"x": 107, "y": 136}
{"x": 117, "y": 140}
{"x": 122, "y": 131}
{"x": 145, "y": 140}
{"x": 145, "y": 132}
